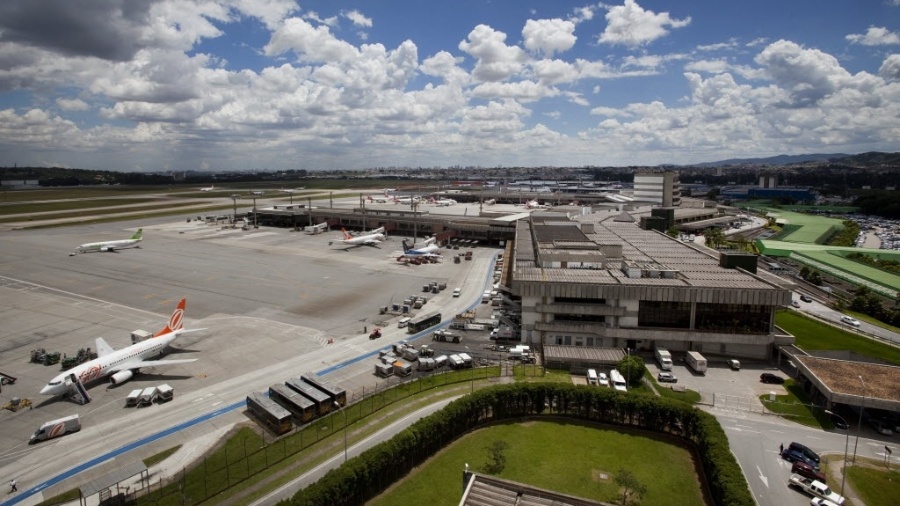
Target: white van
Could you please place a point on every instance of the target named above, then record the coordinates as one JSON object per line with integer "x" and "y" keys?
{"x": 592, "y": 377}
{"x": 457, "y": 292}
{"x": 403, "y": 322}
{"x": 618, "y": 381}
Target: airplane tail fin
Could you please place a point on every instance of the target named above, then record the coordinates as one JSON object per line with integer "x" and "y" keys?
{"x": 405, "y": 247}
{"x": 346, "y": 234}
{"x": 138, "y": 235}
{"x": 176, "y": 321}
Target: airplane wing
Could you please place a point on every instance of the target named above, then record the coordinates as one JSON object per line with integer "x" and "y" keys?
{"x": 137, "y": 364}
{"x": 103, "y": 348}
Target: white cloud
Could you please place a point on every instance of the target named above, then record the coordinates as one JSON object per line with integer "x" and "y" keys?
{"x": 309, "y": 43}
{"x": 806, "y": 74}
{"x": 633, "y": 26}
{"x": 523, "y": 91}
{"x": 875, "y": 36}
{"x": 495, "y": 60}
{"x": 75, "y": 104}
{"x": 549, "y": 36}
{"x": 314, "y": 16}
{"x": 890, "y": 68}
{"x": 358, "y": 18}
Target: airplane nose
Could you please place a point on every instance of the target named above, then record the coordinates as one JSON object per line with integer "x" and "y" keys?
{"x": 47, "y": 390}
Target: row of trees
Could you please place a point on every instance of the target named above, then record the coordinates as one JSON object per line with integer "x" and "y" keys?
{"x": 367, "y": 475}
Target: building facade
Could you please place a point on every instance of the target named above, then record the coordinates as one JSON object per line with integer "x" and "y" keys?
{"x": 657, "y": 188}
{"x": 599, "y": 280}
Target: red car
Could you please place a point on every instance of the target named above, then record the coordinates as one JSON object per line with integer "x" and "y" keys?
{"x": 807, "y": 471}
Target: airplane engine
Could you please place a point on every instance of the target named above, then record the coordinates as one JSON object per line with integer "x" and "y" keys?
{"x": 121, "y": 377}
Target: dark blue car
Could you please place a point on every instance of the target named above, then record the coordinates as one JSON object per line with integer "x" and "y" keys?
{"x": 795, "y": 456}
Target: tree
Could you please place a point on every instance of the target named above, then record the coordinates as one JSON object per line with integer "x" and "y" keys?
{"x": 497, "y": 458}
{"x": 672, "y": 232}
{"x": 714, "y": 237}
{"x": 631, "y": 490}
{"x": 632, "y": 368}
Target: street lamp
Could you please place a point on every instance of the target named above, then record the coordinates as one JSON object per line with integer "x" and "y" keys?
{"x": 862, "y": 408}
{"x": 338, "y": 406}
{"x": 846, "y": 446}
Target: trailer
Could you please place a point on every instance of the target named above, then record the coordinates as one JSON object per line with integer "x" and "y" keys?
{"x": 56, "y": 428}
{"x": 425, "y": 364}
{"x": 301, "y": 408}
{"x": 338, "y": 395}
{"x": 165, "y": 393}
{"x": 384, "y": 370}
{"x": 402, "y": 368}
{"x": 455, "y": 362}
{"x": 133, "y": 398}
{"x": 466, "y": 359}
{"x": 267, "y": 411}
{"x": 440, "y": 361}
{"x": 322, "y": 400}
{"x": 148, "y": 395}
{"x": 696, "y": 361}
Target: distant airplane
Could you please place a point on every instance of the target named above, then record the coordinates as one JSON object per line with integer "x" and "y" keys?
{"x": 257, "y": 192}
{"x": 208, "y": 188}
{"x": 383, "y": 199}
{"x": 428, "y": 250}
{"x": 289, "y": 190}
{"x": 534, "y": 204}
{"x": 406, "y": 200}
{"x": 111, "y": 245}
{"x": 371, "y": 239}
{"x": 121, "y": 364}
{"x": 441, "y": 202}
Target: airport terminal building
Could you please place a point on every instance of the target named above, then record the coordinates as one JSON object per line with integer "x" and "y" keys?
{"x": 599, "y": 280}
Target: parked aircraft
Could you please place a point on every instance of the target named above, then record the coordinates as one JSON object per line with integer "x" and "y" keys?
{"x": 430, "y": 249}
{"x": 406, "y": 200}
{"x": 209, "y": 188}
{"x": 371, "y": 239}
{"x": 291, "y": 190}
{"x": 111, "y": 245}
{"x": 382, "y": 199}
{"x": 441, "y": 202}
{"x": 534, "y": 204}
{"x": 121, "y": 364}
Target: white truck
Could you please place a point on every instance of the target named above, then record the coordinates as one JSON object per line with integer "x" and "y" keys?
{"x": 696, "y": 361}
{"x": 133, "y": 398}
{"x": 165, "y": 393}
{"x": 517, "y": 352}
{"x": 815, "y": 488}
{"x": 664, "y": 358}
{"x": 56, "y": 428}
{"x": 147, "y": 397}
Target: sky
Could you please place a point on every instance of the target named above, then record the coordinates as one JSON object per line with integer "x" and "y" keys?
{"x": 149, "y": 85}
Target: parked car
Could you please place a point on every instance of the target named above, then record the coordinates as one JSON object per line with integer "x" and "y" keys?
{"x": 818, "y": 501}
{"x": 881, "y": 427}
{"x": 811, "y": 455}
{"x": 795, "y": 456}
{"x": 768, "y": 377}
{"x": 849, "y": 320}
{"x": 805, "y": 298}
{"x": 807, "y": 471}
{"x": 603, "y": 379}
{"x": 795, "y": 303}
{"x": 839, "y": 423}
{"x": 666, "y": 377}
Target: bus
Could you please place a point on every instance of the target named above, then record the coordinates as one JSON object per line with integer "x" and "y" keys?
{"x": 421, "y": 323}
{"x": 338, "y": 395}
{"x": 302, "y": 408}
{"x": 322, "y": 400}
{"x": 276, "y": 418}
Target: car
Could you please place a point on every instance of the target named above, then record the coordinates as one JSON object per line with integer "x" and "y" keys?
{"x": 849, "y": 320}
{"x": 839, "y": 423}
{"x": 603, "y": 379}
{"x": 666, "y": 377}
{"x": 818, "y": 501}
{"x": 768, "y": 377}
{"x": 881, "y": 427}
{"x": 795, "y": 456}
{"x": 805, "y": 298}
{"x": 794, "y": 303}
{"x": 811, "y": 455}
{"x": 807, "y": 471}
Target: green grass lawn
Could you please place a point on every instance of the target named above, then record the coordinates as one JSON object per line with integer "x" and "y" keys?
{"x": 565, "y": 457}
{"x": 875, "y": 486}
{"x": 795, "y": 406}
{"x": 814, "y": 335}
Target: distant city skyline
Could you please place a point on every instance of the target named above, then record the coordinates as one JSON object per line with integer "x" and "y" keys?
{"x": 278, "y": 84}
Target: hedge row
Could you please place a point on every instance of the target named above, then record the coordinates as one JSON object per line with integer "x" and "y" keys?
{"x": 364, "y": 477}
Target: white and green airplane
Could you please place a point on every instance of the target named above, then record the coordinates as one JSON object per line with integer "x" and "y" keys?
{"x": 111, "y": 245}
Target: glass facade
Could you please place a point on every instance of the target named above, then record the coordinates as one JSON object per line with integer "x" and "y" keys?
{"x": 655, "y": 313}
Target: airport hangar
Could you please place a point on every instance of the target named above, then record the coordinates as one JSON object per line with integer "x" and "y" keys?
{"x": 601, "y": 281}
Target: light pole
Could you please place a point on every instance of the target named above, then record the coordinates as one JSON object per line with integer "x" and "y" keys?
{"x": 862, "y": 408}
{"x": 338, "y": 406}
{"x": 846, "y": 446}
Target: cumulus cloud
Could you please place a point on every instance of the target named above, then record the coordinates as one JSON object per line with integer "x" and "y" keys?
{"x": 875, "y": 36}
{"x": 358, "y": 18}
{"x": 807, "y": 75}
{"x": 549, "y": 36}
{"x": 631, "y": 25}
{"x": 890, "y": 68}
{"x": 495, "y": 61}
{"x": 74, "y": 104}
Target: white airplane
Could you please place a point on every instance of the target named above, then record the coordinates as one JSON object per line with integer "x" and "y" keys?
{"x": 406, "y": 200}
{"x": 534, "y": 204}
{"x": 111, "y": 245}
{"x": 383, "y": 199}
{"x": 430, "y": 249}
{"x": 371, "y": 239}
{"x": 121, "y": 364}
{"x": 209, "y": 188}
{"x": 441, "y": 202}
{"x": 294, "y": 190}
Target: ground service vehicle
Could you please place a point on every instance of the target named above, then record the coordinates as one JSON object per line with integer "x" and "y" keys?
{"x": 815, "y": 488}
{"x": 56, "y": 428}
{"x": 402, "y": 368}
{"x": 403, "y": 322}
{"x": 133, "y": 398}
{"x": 467, "y": 359}
{"x": 300, "y": 407}
{"x": 695, "y": 361}
{"x": 375, "y": 334}
{"x": 446, "y": 336}
{"x": 147, "y": 396}
{"x": 425, "y": 364}
{"x": 322, "y": 400}
{"x": 421, "y": 323}
{"x": 664, "y": 358}
{"x": 384, "y": 370}
{"x": 455, "y": 362}
{"x": 440, "y": 361}
{"x": 267, "y": 411}
{"x": 337, "y": 394}
{"x": 165, "y": 393}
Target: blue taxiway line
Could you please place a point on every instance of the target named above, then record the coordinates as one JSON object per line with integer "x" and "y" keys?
{"x": 202, "y": 418}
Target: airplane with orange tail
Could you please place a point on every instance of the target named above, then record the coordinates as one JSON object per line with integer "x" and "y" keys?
{"x": 373, "y": 238}
{"x": 120, "y": 365}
